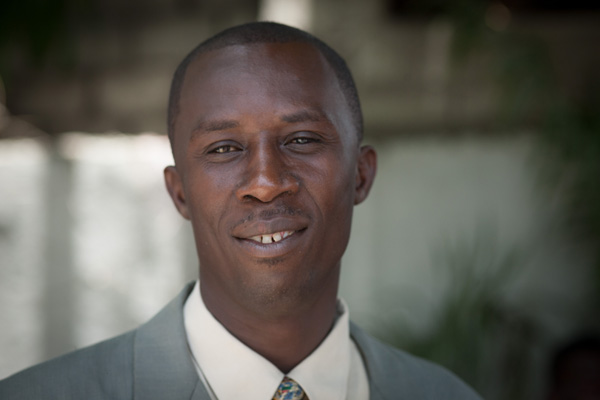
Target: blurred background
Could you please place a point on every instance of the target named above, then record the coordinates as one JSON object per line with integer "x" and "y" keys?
{"x": 478, "y": 247}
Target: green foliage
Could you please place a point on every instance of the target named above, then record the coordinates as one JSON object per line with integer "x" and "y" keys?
{"x": 38, "y": 33}
{"x": 476, "y": 334}
{"x": 33, "y": 25}
{"x": 529, "y": 96}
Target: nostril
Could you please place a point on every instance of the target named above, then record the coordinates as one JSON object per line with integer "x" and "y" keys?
{"x": 266, "y": 195}
{"x": 266, "y": 178}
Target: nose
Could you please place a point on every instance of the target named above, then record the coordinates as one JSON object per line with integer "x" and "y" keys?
{"x": 267, "y": 175}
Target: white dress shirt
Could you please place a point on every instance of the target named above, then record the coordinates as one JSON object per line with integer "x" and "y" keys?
{"x": 335, "y": 369}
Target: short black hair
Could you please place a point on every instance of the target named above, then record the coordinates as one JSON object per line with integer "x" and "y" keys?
{"x": 266, "y": 32}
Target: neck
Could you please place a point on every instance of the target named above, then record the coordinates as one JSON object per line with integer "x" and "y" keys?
{"x": 285, "y": 337}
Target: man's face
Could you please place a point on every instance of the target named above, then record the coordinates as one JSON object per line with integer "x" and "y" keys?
{"x": 268, "y": 169}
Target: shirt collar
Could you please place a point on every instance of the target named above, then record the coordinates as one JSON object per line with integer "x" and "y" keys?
{"x": 221, "y": 357}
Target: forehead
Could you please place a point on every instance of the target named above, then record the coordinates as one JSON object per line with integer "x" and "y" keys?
{"x": 260, "y": 78}
{"x": 266, "y": 61}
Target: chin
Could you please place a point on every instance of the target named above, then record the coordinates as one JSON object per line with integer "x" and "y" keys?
{"x": 279, "y": 293}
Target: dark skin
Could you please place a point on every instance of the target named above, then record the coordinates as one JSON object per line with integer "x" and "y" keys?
{"x": 268, "y": 170}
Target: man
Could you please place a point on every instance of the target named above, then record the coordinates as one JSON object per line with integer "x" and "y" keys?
{"x": 265, "y": 127}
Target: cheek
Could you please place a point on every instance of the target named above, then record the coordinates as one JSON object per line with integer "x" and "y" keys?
{"x": 333, "y": 191}
{"x": 337, "y": 181}
{"x": 342, "y": 200}
{"x": 205, "y": 198}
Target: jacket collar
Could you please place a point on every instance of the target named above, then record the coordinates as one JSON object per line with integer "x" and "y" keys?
{"x": 163, "y": 368}
{"x": 379, "y": 374}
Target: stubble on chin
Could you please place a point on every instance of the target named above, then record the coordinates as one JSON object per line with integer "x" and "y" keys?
{"x": 275, "y": 299}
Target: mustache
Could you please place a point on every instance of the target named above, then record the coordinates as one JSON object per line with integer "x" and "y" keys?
{"x": 270, "y": 213}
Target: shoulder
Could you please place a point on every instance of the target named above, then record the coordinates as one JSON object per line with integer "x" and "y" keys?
{"x": 394, "y": 373}
{"x": 103, "y": 370}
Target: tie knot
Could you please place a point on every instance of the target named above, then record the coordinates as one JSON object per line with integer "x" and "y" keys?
{"x": 289, "y": 390}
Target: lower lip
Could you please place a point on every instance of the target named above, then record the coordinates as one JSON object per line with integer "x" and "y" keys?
{"x": 274, "y": 249}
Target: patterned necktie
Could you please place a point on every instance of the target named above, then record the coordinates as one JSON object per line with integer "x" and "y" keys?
{"x": 289, "y": 390}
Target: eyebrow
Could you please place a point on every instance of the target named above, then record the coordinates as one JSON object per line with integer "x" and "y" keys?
{"x": 215, "y": 125}
{"x": 205, "y": 126}
{"x": 313, "y": 115}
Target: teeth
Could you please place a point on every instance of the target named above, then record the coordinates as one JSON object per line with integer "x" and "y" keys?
{"x": 272, "y": 238}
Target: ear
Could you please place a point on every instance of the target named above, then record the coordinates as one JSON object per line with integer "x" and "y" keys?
{"x": 175, "y": 189}
{"x": 365, "y": 175}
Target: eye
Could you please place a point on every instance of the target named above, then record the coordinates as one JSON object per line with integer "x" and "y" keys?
{"x": 301, "y": 140}
{"x": 226, "y": 148}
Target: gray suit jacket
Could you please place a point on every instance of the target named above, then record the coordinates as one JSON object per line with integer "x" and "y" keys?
{"x": 153, "y": 362}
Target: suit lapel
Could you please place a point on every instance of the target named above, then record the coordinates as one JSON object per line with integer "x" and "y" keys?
{"x": 163, "y": 368}
{"x": 379, "y": 376}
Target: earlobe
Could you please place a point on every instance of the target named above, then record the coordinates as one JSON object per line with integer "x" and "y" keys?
{"x": 366, "y": 169}
{"x": 175, "y": 189}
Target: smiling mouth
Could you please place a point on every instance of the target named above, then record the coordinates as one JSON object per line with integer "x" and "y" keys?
{"x": 271, "y": 237}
